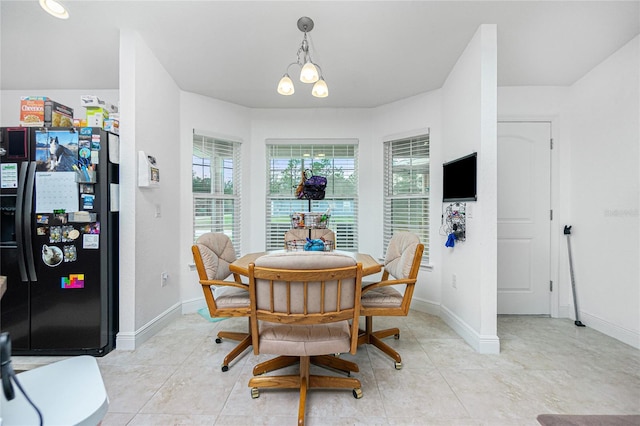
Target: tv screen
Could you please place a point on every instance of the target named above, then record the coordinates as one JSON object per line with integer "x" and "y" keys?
{"x": 459, "y": 179}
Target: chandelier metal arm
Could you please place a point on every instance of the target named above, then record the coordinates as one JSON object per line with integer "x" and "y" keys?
{"x": 289, "y": 66}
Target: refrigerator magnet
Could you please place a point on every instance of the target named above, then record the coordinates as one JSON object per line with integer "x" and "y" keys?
{"x": 87, "y": 201}
{"x": 70, "y": 253}
{"x": 84, "y": 153}
{"x": 51, "y": 255}
{"x": 90, "y": 241}
{"x": 73, "y": 281}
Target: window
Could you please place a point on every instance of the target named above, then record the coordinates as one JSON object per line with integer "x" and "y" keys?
{"x": 338, "y": 162}
{"x": 216, "y": 187}
{"x": 406, "y": 195}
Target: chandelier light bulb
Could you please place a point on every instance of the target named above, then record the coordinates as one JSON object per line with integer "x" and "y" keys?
{"x": 285, "y": 87}
{"x": 320, "y": 89}
{"x": 309, "y": 73}
{"x": 55, "y": 8}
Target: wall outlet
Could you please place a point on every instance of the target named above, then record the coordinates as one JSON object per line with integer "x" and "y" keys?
{"x": 164, "y": 277}
{"x": 454, "y": 281}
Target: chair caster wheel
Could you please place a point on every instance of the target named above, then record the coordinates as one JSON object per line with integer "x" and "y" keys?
{"x": 255, "y": 393}
{"x": 218, "y": 340}
{"x": 398, "y": 365}
{"x": 357, "y": 393}
{"x": 397, "y": 336}
{"x": 225, "y": 368}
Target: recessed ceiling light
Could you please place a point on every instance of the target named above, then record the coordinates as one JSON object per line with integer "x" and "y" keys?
{"x": 55, "y": 8}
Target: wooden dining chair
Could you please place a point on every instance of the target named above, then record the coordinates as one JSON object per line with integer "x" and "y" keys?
{"x": 401, "y": 266}
{"x": 304, "y": 304}
{"x": 212, "y": 254}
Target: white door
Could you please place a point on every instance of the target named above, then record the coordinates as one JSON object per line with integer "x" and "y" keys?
{"x": 524, "y": 223}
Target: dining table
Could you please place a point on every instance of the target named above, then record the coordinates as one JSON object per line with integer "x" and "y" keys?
{"x": 240, "y": 267}
{"x": 370, "y": 265}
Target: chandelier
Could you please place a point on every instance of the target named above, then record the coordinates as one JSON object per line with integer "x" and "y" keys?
{"x": 310, "y": 72}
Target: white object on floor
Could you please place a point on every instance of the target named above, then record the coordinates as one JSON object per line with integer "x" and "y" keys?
{"x": 69, "y": 392}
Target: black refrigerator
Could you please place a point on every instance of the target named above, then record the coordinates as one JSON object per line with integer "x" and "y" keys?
{"x": 59, "y": 239}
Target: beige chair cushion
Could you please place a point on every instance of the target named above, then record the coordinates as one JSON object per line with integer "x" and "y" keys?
{"x": 302, "y": 340}
{"x": 383, "y": 297}
{"x": 400, "y": 254}
{"x": 325, "y": 234}
{"x": 230, "y": 297}
{"x": 217, "y": 253}
{"x": 296, "y": 234}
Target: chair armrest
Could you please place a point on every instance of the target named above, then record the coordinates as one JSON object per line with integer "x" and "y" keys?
{"x": 386, "y": 283}
{"x": 209, "y": 283}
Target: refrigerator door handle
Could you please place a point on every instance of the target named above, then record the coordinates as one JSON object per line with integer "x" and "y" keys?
{"x": 28, "y": 222}
{"x": 22, "y": 177}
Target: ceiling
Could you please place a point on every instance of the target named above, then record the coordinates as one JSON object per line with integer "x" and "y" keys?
{"x": 371, "y": 52}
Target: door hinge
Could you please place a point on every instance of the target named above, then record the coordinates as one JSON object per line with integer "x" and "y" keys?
{"x": 551, "y": 143}
{"x": 550, "y": 285}
{"x": 551, "y": 214}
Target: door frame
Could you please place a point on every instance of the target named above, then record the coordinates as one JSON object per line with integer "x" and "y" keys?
{"x": 554, "y": 203}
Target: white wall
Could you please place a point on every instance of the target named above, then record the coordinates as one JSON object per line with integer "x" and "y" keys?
{"x": 469, "y": 115}
{"x": 149, "y": 218}
{"x": 605, "y": 190}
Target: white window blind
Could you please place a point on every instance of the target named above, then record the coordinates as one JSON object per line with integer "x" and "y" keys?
{"x": 216, "y": 187}
{"x": 406, "y": 195}
{"x": 338, "y": 162}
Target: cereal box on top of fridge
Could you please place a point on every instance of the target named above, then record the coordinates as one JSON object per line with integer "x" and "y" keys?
{"x": 32, "y": 111}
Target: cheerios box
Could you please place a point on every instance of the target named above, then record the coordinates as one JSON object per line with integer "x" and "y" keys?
{"x": 32, "y": 111}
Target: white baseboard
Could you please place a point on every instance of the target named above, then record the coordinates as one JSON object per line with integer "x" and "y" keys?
{"x": 484, "y": 344}
{"x": 193, "y": 305}
{"x": 624, "y": 335}
{"x": 425, "y": 306}
{"x": 130, "y": 341}
{"x": 629, "y": 337}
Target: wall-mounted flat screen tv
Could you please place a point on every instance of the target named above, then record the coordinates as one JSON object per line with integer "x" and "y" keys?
{"x": 459, "y": 179}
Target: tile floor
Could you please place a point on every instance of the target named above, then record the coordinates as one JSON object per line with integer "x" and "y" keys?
{"x": 545, "y": 366}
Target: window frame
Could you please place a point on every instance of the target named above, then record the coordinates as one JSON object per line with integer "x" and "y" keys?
{"x": 401, "y": 167}
{"x": 221, "y": 163}
{"x": 341, "y": 194}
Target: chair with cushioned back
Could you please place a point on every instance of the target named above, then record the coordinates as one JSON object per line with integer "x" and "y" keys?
{"x": 302, "y": 304}
{"x": 212, "y": 253}
{"x": 401, "y": 266}
{"x": 301, "y": 235}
